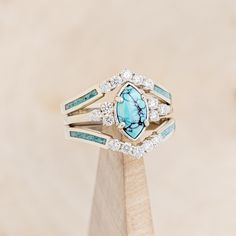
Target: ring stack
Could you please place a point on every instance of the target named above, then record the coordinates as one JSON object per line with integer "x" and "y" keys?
{"x": 127, "y": 113}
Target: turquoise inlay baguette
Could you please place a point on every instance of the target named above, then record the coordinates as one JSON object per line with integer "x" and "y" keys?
{"x": 88, "y": 137}
{"x": 168, "y": 130}
{"x": 82, "y": 99}
{"x": 162, "y": 91}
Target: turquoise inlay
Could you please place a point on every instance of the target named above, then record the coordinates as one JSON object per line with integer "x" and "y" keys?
{"x": 162, "y": 91}
{"x": 132, "y": 111}
{"x": 88, "y": 137}
{"x": 82, "y": 99}
{"x": 168, "y": 130}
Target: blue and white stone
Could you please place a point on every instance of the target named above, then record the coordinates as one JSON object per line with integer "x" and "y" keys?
{"x": 132, "y": 111}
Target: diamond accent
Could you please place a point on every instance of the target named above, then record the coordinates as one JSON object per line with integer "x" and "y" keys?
{"x": 105, "y": 87}
{"x": 126, "y": 148}
{"x": 114, "y": 144}
{"x": 108, "y": 120}
{"x": 148, "y": 84}
{"x": 138, "y": 152}
{"x": 156, "y": 140}
{"x": 95, "y": 115}
{"x": 106, "y": 108}
{"x": 163, "y": 109}
{"x": 126, "y": 75}
{"x": 145, "y": 147}
{"x": 137, "y": 79}
{"x": 148, "y": 145}
{"x": 153, "y": 103}
{"x": 154, "y": 116}
{"x": 115, "y": 81}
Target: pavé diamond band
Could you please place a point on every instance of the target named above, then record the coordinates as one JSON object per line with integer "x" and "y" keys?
{"x": 132, "y": 103}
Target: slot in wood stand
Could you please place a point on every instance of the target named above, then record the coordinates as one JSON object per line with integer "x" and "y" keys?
{"x": 121, "y": 204}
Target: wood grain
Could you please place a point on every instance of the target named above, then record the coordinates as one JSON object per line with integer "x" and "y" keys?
{"x": 138, "y": 212}
{"x": 108, "y": 211}
{"x": 121, "y": 203}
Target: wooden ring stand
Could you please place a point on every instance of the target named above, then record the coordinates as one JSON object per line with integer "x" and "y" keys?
{"x": 121, "y": 204}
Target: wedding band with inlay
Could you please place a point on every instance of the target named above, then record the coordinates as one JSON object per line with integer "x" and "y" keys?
{"x": 137, "y": 107}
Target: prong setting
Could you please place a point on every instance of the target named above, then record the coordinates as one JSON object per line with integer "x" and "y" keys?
{"x": 147, "y": 123}
{"x": 121, "y": 125}
{"x": 119, "y": 99}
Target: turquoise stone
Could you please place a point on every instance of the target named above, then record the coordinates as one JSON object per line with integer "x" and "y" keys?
{"x": 81, "y": 100}
{"x": 162, "y": 91}
{"x": 132, "y": 111}
{"x": 88, "y": 137}
{"x": 168, "y": 130}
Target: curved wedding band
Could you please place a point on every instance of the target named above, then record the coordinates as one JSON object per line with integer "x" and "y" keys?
{"x": 134, "y": 104}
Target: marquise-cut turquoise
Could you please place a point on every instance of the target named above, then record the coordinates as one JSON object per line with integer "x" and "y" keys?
{"x": 132, "y": 111}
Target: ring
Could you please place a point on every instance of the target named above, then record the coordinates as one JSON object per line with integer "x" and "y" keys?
{"x": 128, "y": 113}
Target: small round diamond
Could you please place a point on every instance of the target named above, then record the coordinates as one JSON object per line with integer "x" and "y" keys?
{"x": 126, "y": 148}
{"x": 114, "y": 144}
{"x": 126, "y": 75}
{"x": 115, "y": 81}
{"x": 108, "y": 120}
{"x": 137, "y": 79}
{"x": 138, "y": 151}
{"x": 107, "y": 108}
{"x": 153, "y": 103}
{"x": 156, "y": 140}
{"x": 163, "y": 109}
{"x": 105, "y": 87}
{"x": 154, "y": 116}
{"x": 148, "y": 84}
{"x": 95, "y": 115}
{"x": 148, "y": 145}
